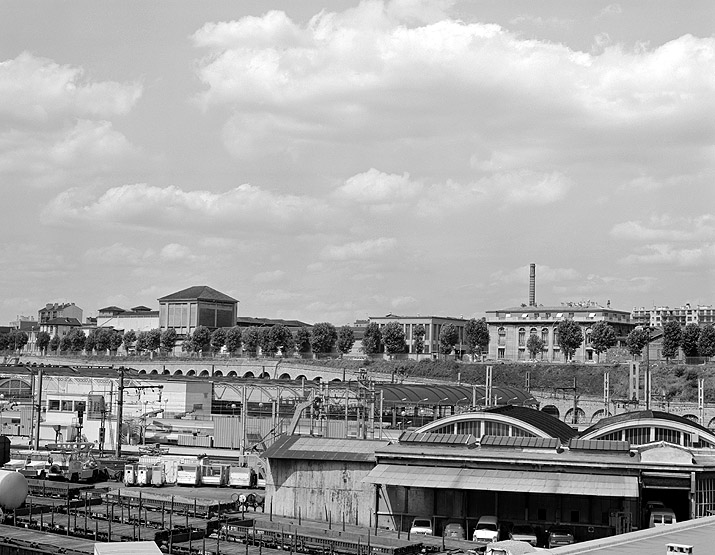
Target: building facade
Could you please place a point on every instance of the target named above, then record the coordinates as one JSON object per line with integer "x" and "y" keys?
{"x": 684, "y": 315}
{"x": 139, "y": 318}
{"x": 510, "y": 328}
{"x": 59, "y": 310}
{"x": 433, "y": 326}
{"x": 196, "y": 306}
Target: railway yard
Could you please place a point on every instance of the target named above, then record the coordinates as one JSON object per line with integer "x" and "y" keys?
{"x": 63, "y": 517}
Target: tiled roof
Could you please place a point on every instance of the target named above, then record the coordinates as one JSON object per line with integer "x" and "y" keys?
{"x": 201, "y": 293}
{"x": 635, "y": 416}
{"x": 252, "y": 321}
{"x": 111, "y": 309}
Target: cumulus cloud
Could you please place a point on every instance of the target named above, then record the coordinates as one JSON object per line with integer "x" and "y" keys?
{"x": 667, "y": 228}
{"x": 374, "y": 80}
{"x": 360, "y": 250}
{"x": 38, "y": 90}
{"x": 55, "y": 126}
{"x": 145, "y": 205}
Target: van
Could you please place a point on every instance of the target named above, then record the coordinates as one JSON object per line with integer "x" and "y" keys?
{"x": 661, "y": 517}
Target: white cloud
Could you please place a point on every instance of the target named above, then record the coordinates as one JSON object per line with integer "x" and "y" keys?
{"x": 361, "y": 250}
{"x": 117, "y": 254}
{"x": 38, "y": 90}
{"x": 668, "y": 228}
{"x": 269, "y": 277}
{"x": 376, "y": 187}
{"x": 143, "y": 205}
{"x": 403, "y": 302}
{"x": 175, "y": 252}
{"x": 670, "y": 255}
{"x": 530, "y": 188}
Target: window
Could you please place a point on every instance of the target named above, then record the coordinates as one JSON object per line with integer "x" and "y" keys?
{"x": 522, "y": 337}
{"x": 545, "y": 336}
{"x": 501, "y": 353}
{"x": 502, "y": 336}
{"x": 54, "y": 404}
{"x": 66, "y": 406}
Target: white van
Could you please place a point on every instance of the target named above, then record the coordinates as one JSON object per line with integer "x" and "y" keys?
{"x": 661, "y": 517}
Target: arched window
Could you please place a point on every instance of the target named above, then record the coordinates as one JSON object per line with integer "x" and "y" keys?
{"x": 502, "y": 336}
{"x": 588, "y": 337}
{"x": 522, "y": 337}
{"x": 532, "y": 331}
{"x": 545, "y": 336}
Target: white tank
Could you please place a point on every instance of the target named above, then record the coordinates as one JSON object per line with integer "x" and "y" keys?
{"x": 13, "y": 489}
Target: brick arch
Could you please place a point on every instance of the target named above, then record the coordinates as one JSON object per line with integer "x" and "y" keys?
{"x": 218, "y": 373}
{"x": 285, "y": 376}
{"x": 232, "y": 374}
{"x": 142, "y": 371}
{"x": 301, "y": 377}
{"x": 154, "y": 371}
{"x": 552, "y": 410}
{"x": 580, "y": 416}
{"x": 178, "y": 373}
{"x": 191, "y": 372}
{"x": 166, "y": 372}
{"x": 600, "y": 413}
{"x": 249, "y": 374}
{"x": 265, "y": 376}
{"x": 204, "y": 374}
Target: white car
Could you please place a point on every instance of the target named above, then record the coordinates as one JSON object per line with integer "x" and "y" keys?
{"x": 422, "y": 527}
{"x": 487, "y": 530}
{"x": 524, "y": 533}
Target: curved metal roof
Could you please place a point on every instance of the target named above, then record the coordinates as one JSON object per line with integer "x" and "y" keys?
{"x": 627, "y": 419}
{"x": 451, "y": 395}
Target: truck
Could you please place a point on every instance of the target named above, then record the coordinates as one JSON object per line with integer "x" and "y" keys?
{"x": 74, "y": 462}
{"x": 242, "y": 477}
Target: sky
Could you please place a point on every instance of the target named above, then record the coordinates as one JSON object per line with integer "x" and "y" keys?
{"x": 331, "y": 161}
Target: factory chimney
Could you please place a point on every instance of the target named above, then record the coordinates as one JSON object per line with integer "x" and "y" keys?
{"x": 532, "y": 284}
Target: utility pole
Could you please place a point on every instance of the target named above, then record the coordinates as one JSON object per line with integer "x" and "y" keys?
{"x": 120, "y": 405}
{"x": 574, "y": 411}
{"x": 38, "y": 416}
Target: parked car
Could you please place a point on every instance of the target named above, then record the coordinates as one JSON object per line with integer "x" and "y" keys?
{"x": 558, "y": 536}
{"x": 422, "y": 526}
{"x": 454, "y": 531}
{"x": 487, "y": 530}
{"x": 524, "y": 533}
{"x": 661, "y": 517}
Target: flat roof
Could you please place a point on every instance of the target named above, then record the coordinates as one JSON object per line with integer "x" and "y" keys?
{"x": 324, "y": 449}
{"x": 698, "y": 533}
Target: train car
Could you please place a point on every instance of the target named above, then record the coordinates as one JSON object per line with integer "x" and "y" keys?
{"x": 144, "y": 473}
{"x": 242, "y": 477}
{"x": 215, "y": 474}
{"x": 188, "y": 474}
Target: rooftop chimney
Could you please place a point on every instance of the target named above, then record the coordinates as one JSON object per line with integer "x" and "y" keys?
{"x": 532, "y": 284}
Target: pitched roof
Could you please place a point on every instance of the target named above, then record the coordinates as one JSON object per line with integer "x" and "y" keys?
{"x": 199, "y": 293}
{"x": 63, "y": 322}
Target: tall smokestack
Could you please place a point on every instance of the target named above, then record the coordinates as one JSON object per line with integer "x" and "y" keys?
{"x": 532, "y": 284}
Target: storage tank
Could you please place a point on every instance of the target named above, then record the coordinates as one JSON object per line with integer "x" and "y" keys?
{"x": 13, "y": 489}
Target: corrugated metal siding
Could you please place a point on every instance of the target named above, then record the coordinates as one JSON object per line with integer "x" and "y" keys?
{"x": 190, "y": 440}
{"x": 227, "y": 431}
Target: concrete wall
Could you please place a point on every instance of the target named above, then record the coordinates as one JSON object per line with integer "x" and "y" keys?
{"x": 317, "y": 488}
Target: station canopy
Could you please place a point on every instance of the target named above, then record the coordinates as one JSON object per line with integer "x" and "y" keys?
{"x": 452, "y": 395}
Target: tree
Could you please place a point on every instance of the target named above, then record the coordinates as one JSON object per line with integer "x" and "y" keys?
{"x": 282, "y": 339}
{"x": 43, "y": 341}
{"x": 233, "y": 340}
{"x": 129, "y": 338}
{"x": 142, "y": 342}
{"x": 346, "y": 339}
{"x": 302, "y": 339}
{"x": 372, "y": 339}
{"x": 534, "y": 345}
{"x": 268, "y": 348}
{"x": 90, "y": 343}
{"x": 168, "y": 340}
{"x": 706, "y": 341}
{"x": 218, "y": 339}
{"x": 603, "y": 337}
{"x": 200, "y": 339}
{"x": 103, "y": 340}
{"x": 250, "y": 340}
{"x": 18, "y": 339}
{"x": 4, "y": 341}
{"x": 153, "y": 340}
{"x": 672, "y": 336}
{"x": 115, "y": 341}
{"x": 418, "y": 339}
{"x": 448, "y": 338}
{"x": 636, "y": 340}
{"x": 394, "y": 338}
{"x": 691, "y": 334}
{"x": 476, "y": 334}
{"x": 323, "y": 338}
{"x": 54, "y": 343}
{"x": 570, "y": 338}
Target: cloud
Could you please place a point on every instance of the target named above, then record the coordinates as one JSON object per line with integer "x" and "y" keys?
{"x": 140, "y": 205}
{"x": 175, "y": 252}
{"x": 610, "y": 10}
{"x": 118, "y": 254}
{"x": 668, "y": 228}
{"x": 669, "y": 255}
{"x": 412, "y": 94}
{"x": 269, "y": 277}
{"x": 530, "y": 188}
{"x": 376, "y": 187}
{"x": 38, "y": 91}
{"x": 371, "y": 248}
{"x": 55, "y": 126}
